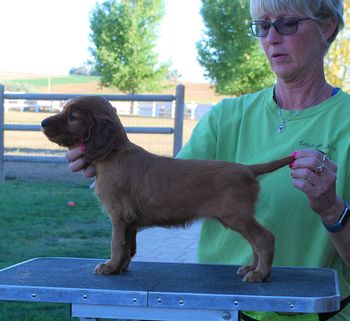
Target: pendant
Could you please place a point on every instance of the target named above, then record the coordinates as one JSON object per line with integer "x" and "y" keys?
{"x": 281, "y": 128}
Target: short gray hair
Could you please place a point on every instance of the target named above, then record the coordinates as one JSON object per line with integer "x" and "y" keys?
{"x": 319, "y": 10}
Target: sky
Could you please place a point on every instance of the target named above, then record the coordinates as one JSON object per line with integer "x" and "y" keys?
{"x": 52, "y": 36}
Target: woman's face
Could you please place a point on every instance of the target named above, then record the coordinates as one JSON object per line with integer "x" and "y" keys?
{"x": 297, "y": 55}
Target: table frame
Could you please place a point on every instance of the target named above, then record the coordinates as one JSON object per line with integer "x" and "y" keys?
{"x": 167, "y": 291}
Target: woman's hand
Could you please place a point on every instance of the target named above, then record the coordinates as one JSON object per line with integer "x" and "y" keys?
{"x": 316, "y": 175}
{"x": 77, "y": 162}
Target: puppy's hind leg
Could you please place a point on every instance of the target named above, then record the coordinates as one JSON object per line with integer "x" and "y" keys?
{"x": 262, "y": 243}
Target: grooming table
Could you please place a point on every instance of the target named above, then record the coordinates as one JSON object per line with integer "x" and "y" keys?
{"x": 167, "y": 291}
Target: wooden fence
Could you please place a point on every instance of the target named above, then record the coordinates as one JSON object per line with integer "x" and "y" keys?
{"x": 176, "y": 130}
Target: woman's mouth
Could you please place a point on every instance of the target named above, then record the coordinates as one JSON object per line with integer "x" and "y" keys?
{"x": 278, "y": 57}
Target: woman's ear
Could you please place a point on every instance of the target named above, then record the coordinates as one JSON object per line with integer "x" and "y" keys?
{"x": 102, "y": 139}
{"x": 328, "y": 28}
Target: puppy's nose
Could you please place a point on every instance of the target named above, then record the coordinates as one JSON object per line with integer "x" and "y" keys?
{"x": 45, "y": 123}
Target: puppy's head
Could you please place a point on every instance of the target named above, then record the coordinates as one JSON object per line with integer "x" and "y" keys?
{"x": 91, "y": 120}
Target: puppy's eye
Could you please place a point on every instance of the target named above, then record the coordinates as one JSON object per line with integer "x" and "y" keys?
{"x": 72, "y": 117}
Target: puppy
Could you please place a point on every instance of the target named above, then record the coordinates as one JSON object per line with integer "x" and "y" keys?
{"x": 140, "y": 189}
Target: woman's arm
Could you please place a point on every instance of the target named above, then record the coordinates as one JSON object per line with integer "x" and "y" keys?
{"x": 320, "y": 188}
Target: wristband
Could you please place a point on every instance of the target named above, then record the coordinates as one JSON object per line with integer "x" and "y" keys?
{"x": 339, "y": 225}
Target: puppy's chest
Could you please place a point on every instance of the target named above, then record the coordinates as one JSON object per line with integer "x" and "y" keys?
{"x": 105, "y": 189}
{"x": 111, "y": 191}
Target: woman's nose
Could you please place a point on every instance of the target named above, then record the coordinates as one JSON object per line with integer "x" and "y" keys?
{"x": 273, "y": 36}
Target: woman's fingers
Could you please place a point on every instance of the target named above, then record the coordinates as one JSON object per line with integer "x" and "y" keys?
{"x": 77, "y": 162}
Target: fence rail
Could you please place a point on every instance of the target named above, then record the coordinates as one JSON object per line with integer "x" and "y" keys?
{"x": 176, "y": 130}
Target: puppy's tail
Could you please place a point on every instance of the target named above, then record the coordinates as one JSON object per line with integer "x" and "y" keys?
{"x": 259, "y": 169}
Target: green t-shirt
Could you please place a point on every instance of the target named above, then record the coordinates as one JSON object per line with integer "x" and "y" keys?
{"x": 244, "y": 130}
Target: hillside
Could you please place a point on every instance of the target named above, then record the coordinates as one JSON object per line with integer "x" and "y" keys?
{"x": 201, "y": 93}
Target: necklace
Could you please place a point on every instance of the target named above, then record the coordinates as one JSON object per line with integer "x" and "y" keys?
{"x": 283, "y": 124}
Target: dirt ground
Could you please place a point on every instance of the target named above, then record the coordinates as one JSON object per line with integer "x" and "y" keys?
{"x": 34, "y": 143}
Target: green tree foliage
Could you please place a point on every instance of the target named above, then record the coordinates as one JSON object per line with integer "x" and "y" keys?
{"x": 17, "y": 86}
{"x": 231, "y": 57}
{"x": 337, "y": 65}
{"x": 83, "y": 70}
{"x": 124, "y": 33}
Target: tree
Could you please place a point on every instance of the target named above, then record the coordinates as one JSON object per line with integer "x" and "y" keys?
{"x": 173, "y": 75}
{"x": 337, "y": 64}
{"x": 124, "y": 34}
{"x": 17, "y": 86}
{"x": 83, "y": 70}
{"x": 231, "y": 56}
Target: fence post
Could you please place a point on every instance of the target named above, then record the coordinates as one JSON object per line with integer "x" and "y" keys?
{"x": 2, "y": 126}
{"x": 179, "y": 118}
{"x": 154, "y": 109}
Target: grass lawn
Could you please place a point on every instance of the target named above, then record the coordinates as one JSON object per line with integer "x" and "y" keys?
{"x": 36, "y": 222}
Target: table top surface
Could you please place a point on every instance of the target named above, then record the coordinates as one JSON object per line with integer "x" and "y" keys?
{"x": 175, "y": 285}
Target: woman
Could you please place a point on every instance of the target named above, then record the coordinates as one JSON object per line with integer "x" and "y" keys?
{"x": 303, "y": 114}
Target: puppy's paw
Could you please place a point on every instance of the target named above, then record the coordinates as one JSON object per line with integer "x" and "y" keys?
{"x": 243, "y": 270}
{"x": 253, "y": 276}
{"x": 106, "y": 269}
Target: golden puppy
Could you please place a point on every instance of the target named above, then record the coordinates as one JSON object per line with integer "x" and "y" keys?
{"x": 140, "y": 189}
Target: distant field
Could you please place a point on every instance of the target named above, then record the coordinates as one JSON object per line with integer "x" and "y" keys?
{"x": 57, "y": 80}
{"x": 201, "y": 93}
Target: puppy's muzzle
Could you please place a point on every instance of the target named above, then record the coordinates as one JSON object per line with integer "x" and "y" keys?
{"x": 45, "y": 123}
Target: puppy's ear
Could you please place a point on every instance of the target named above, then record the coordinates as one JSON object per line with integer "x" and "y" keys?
{"x": 104, "y": 136}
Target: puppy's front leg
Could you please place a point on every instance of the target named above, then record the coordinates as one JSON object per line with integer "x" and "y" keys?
{"x": 130, "y": 247}
{"x": 118, "y": 251}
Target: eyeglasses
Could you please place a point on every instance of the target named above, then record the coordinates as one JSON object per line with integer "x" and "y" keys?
{"x": 284, "y": 26}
